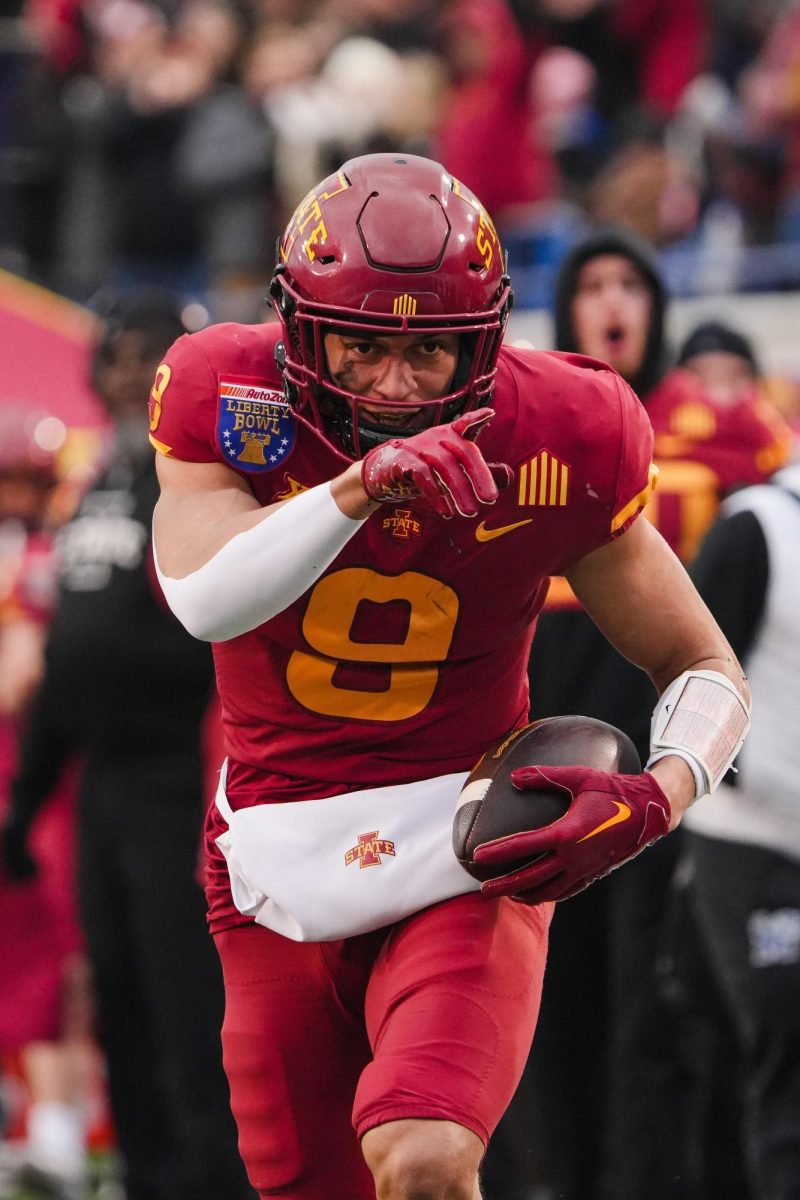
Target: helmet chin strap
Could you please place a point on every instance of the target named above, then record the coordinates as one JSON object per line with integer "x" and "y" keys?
{"x": 340, "y": 424}
{"x": 345, "y": 428}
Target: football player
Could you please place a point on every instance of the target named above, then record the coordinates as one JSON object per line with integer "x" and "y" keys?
{"x": 361, "y": 504}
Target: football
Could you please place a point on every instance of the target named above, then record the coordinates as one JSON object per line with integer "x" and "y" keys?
{"x": 491, "y": 807}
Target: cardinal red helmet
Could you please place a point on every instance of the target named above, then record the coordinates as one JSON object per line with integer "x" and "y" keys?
{"x": 390, "y": 244}
{"x": 29, "y": 444}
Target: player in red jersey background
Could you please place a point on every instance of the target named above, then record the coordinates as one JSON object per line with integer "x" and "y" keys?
{"x": 715, "y": 431}
{"x": 361, "y": 506}
{"x": 44, "y": 1007}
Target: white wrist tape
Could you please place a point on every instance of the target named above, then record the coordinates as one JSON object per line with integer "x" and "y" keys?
{"x": 702, "y": 718}
{"x": 260, "y": 572}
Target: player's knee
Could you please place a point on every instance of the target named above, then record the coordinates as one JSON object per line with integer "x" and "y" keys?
{"x": 423, "y": 1160}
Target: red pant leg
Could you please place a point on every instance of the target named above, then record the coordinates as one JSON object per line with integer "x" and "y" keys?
{"x": 451, "y": 1010}
{"x": 452, "y": 996}
{"x": 294, "y": 1046}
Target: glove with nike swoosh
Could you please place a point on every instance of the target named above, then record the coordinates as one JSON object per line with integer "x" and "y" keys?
{"x": 610, "y": 819}
{"x": 440, "y": 468}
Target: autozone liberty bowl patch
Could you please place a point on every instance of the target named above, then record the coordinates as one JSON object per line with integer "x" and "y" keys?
{"x": 256, "y": 429}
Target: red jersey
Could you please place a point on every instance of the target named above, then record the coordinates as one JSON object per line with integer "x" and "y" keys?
{"x": 28, "y": 575}
{"x": 409, "y": 654}
{"x": 705, "y": 451}
{"x": 39, "y": 919}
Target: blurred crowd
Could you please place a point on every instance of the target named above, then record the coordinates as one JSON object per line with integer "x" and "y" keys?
{"x": 158, "y": 140}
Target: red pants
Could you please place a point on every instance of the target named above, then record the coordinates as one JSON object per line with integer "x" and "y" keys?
{"x": 430, "y": 1018}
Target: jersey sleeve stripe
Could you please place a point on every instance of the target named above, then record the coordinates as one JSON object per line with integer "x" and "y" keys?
{"x": 638, "y": 501}
{"x": 161, "y": 447}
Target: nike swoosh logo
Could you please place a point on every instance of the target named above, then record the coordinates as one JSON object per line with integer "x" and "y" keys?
{"x": 486, "y": 535}
{"x": 622, "y": 814}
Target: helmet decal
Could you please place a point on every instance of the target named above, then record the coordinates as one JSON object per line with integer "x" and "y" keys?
{"x": 404, "y": 306}
{"x": 310, "y": 210}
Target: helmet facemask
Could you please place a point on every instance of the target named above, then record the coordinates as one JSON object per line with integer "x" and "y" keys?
{"x": 347, "y": 419}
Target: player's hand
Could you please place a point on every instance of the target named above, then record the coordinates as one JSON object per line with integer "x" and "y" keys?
{"x": 610, "y": 819}
{"x": 440, "y": 468}
{"x": 16, "y": 861}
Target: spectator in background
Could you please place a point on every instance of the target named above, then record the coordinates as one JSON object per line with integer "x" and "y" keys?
{"x": 714, "y": 432}
{"x": 744, "y": 849}
{"x": 279, "y": 73}
{"x": 771, "y": 106}
{"x": 35, "y": 50}
{"x": 722, "y": 361}
{"x": 646, "y": 187}
{"x": 486, "y": 118}
{"x": 224, "y": 165}
{"x": 610, "y": 303}
{"x": 126, "y": 689}
{"x": 563, "y": 90}
{"x": 330, "y": 88}
{"x": 151, "y": 92}
{"x": 645, "y": 52}
{"x": 43, "y": 998}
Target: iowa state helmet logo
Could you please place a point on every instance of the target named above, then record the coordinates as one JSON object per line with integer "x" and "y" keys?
{"x": 256, "y": 429}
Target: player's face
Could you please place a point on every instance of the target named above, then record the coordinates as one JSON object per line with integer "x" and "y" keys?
{"x": 611, "y": 312}
{"x": 126, "y": 376}
{"x": 725, "y": 378}
{"x": 401, "y": 368}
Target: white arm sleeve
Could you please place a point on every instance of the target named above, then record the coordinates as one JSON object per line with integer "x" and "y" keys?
{"x": 260, "y": 572}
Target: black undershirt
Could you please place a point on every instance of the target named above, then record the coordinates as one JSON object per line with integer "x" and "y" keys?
{"x": 731, "y": 573}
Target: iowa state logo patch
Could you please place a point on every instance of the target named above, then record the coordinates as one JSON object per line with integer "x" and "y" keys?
{"x": 368, "y": 850}
{"x": 256, "y": 429}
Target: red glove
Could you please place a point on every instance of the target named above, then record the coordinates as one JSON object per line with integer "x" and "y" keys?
{"x": 610, "y": 819}
{"x": 440, "y": 467}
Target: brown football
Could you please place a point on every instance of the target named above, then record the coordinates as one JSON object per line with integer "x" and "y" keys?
{"x": 491, "y": 807}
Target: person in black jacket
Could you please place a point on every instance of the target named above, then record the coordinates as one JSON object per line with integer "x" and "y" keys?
{"x": 127, "y": 690}
{"x": 742, "y": 850}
